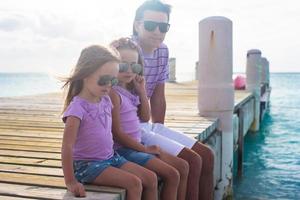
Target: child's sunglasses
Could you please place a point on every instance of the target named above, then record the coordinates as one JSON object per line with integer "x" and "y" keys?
{"x": 135, "y": 67}
{"x": 151, "y": 26}
{"x": 106, "y": 80}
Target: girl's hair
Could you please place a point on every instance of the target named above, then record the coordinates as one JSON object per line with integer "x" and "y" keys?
{"x": 128, "y": 43}
{"x": 91, "y": 58}
{"x": 153, "y": 5}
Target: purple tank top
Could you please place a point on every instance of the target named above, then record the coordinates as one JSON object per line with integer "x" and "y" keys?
{"x": 129, "y": 120}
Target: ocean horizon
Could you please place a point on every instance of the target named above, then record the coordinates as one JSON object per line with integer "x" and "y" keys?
{"x": 32, "y": 83}
{"x": 23, "y": 84}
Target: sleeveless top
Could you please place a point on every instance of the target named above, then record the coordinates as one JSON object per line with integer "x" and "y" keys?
{"x": 129, "y": 120}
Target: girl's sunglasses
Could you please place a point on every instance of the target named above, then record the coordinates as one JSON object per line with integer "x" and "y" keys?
{"x": 106, "y": 80}
{"x": 135, "y": 67}
{"x": 151, "y": 26}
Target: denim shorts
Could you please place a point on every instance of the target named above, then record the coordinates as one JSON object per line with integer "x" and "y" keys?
{"x": 137, "y": 157}
{"x": 86, "y": 171}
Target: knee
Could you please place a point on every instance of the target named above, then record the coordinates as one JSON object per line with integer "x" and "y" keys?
{"x": 173, "y": 176}
{"x": 207, "y": 155}
{"x": 151, "y": 181}
{"x": 183, "y": 168}
{"x": 195, "y": 161}
{"x": 135, "y": 184}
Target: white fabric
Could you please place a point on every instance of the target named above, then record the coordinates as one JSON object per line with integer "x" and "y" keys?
{"x": 168, "y": 140}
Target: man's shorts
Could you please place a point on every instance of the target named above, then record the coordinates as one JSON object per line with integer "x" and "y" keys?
{"x": 140, "y": 158}
{"x": 86, "y": 171}
{"x": 168, "y": 140}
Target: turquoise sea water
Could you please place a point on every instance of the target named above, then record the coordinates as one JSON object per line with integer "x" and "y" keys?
{"x": 20, "y": 84}
{"x": 272, "y": 155}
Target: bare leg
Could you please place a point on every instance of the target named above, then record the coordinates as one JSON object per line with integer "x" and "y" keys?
{"x": 112, "y": 176}
{"x": 183, "y": 168}
{"x": 206, "y": 190}
{"x": 148, "y": 178}
{"x": 169, "y": 175}
{"x": 195, "y": 167}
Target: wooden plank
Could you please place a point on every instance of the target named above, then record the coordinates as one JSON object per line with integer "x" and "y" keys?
{"x": 31, "y": 124}
{"x": 3, "y": 196}
{"x": 30, "y": 161}
{"x": 30, "y": 154}
{"x": 44, "y": 171}
{"x": 25, "y": 191}
{"x": 30, "y": 179}
{"x": 31, "y": 143}
{"x": 33, "y": 139}
{"x": 48, "y": 181}
{"x": 38, "y": 134}
{"x": 37, "y": 170}
{"x": 21, "y": 117}
{"x": 28, "y": 128}
{"x": 29, "y": 148}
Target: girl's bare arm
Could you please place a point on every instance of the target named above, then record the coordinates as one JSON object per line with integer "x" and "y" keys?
{"x": 69, "y": 138}
{"x": 144, "y": 107}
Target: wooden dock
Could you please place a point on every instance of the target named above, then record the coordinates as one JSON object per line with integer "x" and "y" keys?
{"x": 31, "y": 132}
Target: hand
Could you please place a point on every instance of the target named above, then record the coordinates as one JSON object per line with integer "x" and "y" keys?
{"x": 153, "y": 149}
{"x": 139, "y": 84}
{"x": 76, "y": 188}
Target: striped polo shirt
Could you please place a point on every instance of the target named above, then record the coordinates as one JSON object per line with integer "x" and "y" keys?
{"x": 156, "y": 67}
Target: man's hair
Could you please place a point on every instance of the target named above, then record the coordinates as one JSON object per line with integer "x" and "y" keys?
{"x": 153, "y": 5}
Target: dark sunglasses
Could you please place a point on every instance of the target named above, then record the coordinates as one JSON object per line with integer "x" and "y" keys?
{"x": 135, "y": 67}
{"x": 151, "y": 26}
{"x": 106, "y": 80}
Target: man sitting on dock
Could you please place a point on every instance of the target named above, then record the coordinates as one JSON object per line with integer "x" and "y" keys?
{"x": 150, "y": 26}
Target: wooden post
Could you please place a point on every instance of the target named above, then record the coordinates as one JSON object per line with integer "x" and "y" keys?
{"x": 253, "y": 73}
{"x": 172, "y": 70}
{"x": 215, "y": 89}
{"x": 240, "y": 142}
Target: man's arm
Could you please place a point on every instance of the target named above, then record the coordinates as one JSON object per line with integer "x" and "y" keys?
{"x": 158, "y": 104}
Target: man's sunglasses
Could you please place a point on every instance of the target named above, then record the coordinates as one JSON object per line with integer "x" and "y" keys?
{"x": 151, "y": 26}
{"x": 135, "y": 67}
{"x": 106, "y": 80}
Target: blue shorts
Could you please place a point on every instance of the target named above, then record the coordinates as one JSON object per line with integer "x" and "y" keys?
{"x": 137, "y": 157}
{"x": 86, "y": 171}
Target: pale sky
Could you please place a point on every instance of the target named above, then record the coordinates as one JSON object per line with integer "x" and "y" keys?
{"x": 48, "y": 35}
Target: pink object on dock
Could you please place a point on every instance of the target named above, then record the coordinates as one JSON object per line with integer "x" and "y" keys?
{"x": 239, "y": 82}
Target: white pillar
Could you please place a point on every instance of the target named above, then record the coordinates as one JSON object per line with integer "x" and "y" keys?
{"x": 264, "y": 70}
{"x": 215, "y": 89}
{"x": 172, "y": 70}
{"x": 253, "y": 73}
{"x": 196, "y": 70}
{"x": 268, "y": 72}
